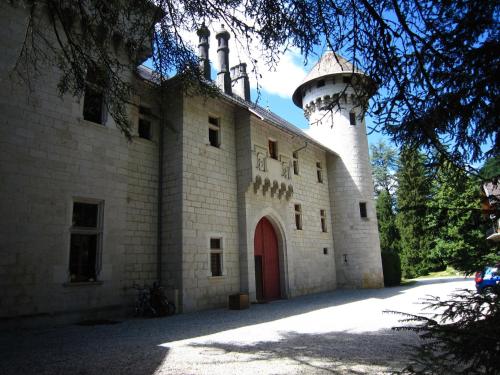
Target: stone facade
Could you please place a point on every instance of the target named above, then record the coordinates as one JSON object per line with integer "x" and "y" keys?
{"x": 51, "y": 158}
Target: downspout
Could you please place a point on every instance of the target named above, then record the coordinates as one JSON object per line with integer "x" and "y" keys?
{"x": 160, "y": 203}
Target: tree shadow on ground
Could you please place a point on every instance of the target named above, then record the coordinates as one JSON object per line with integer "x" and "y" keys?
{"x": 332, "y": 352}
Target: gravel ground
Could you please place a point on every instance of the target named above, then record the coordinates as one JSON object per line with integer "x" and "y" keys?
{"x": 343, "y": 332}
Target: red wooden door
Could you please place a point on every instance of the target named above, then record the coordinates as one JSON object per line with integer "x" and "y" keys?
{"x": 266, "y": 247}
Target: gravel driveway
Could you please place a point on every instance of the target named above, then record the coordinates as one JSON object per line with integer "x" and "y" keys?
{"x": 343, "y": 332}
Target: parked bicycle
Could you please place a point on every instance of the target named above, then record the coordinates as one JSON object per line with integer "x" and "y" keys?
{"x": 152, "y": 302}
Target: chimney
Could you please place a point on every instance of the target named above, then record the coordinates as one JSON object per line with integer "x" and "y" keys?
{"x": 240, "y": 82}
{"x": 223, "y": 77}
{"x": 203, "y": 46}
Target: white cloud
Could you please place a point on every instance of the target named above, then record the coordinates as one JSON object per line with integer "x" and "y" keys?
{"x": 281, "y": 80}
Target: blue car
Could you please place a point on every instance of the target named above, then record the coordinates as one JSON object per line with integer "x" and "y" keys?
{"x": 487, "y": 278}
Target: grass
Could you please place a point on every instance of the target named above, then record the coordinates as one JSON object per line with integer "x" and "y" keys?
{"x": 449, "y": 271}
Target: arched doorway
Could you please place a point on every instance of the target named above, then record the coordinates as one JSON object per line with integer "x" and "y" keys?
{"x": 267, "y": 269}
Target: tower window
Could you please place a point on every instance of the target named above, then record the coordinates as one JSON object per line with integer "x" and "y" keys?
{"x": 214, "y": 131}
{"x": 346, "y": 79}
{"x": 298, "y": 216}
{"x": 362, "y": 210}
{"x": 216, "y": 256}
{"x": 296, "y": 163}
{"x": 319, "y": 172}
{"x": 273, "y": 149}
{"x": 352, "y": 118}
{"x": 322, "y": 214}
{"x": 325, "y": 250}
{"x": 320, "y": 83}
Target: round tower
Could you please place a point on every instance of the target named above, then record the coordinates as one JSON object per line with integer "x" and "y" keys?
{"x": 333, "y": 96}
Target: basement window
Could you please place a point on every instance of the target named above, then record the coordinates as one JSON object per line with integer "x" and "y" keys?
{"x": 85, "y": 243}
{"x": 362, "y": 210}
{"x": 214, "y": 131}
{"x": 216, "y": 256}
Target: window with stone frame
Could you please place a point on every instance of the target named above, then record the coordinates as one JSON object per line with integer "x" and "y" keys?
{"x": 86, "y": 241}
{"x": 295, "y": 163}
{"x": 322, "y": 214}
{"x": 214, "y": 131}
{"x": 298, "y": 216}
{"x": 93, "y": 99}
{"x": 273, "y": 149}
{"x": 216, "y": 256}
{"x": 144, "y": 128}
{"x": 319, "y": 172}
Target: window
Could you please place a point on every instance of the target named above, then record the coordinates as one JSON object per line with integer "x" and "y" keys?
{"x": 352, "y": 118}
{"x": 144, "y": 127}
{"x": 273, "y": 149}
{"x": 93, "y": 100}
{"x": 216, "y": 256}
{"x": 320, "y": 83}
{"x": 319, "y": 172}
{"x": 325, "y": 250}
{"x": 362, "y": 210}
{"x": 295, "y": 163}
{"x": 85, "y": 243}
{"x": 298, "y": 216}
{"x": 322, "y": 214}
{"x": 214, "y": 131}
{"x": 346, "y": 79}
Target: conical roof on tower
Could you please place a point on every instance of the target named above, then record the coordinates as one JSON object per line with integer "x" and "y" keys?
{"x": 330, "y": 64}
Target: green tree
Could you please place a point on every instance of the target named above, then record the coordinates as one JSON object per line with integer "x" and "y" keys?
{"x": 458, "y": 230}
{"x": 436, "y": 62}
{"x": 384, "y": 163}
{"x": 412, "y": 197}
{"x": 389, "y": 239}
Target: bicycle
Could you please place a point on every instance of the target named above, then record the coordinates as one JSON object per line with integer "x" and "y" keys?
{"x": 152, "y": 302}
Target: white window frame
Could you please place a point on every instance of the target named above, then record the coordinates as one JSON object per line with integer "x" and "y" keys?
{"x": 98, "y": 230}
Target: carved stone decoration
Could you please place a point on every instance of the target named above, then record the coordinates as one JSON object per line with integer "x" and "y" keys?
{"x": 274, "y": 188}
{"x": 261, "y": 155}
{"x": 265, "y": 187}
{"x": 257, "y": 183}
{"x": 282, "y": 190}
{"x": 285, "y": 167}
{"x": 289, "y": 192}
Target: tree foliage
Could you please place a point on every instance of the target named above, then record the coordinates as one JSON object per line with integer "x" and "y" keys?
{"x": 384, "y": 162}
{"x": 412, "y": 197}
{"x": 462, "y": 335}
{"x": 435, "y": 62}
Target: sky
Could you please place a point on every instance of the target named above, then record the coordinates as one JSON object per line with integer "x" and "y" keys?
{"x": 277, "y": 84}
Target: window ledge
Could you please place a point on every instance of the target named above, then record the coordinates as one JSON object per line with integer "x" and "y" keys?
{"x": 82, "y": 283}
{"x": 88, "y": 122}
{"x": 217, "y": 277}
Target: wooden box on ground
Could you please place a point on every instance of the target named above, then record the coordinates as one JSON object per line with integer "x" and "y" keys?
{"x": 238, "y": 301}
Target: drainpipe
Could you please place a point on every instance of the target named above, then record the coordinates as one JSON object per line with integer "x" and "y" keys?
{"x": 160, "y": 204}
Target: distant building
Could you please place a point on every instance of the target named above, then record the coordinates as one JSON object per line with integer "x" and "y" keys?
{"x": 491, "y": 207}
{"x": 227, "y": 197}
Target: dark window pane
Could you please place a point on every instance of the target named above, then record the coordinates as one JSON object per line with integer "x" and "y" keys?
{"x": 296, "y": 167}
{"x": 85, "y": 215}
{"x": 213, "y": 121}
{"x": 144, "y": 129}
{"x": 346, "y": 79}
{"x": 215, "y": 243}
{"x": 92, "y": 105}
{"x": 323, "y": 225}
{"x": 320, "y": 176}
{"x": 216, "y": 264}
{"x": 352, "y": 118}
{"x": 273, "y": 150}
{"x": 213, "y": 137}
{"x": 362, "y": 209}
{"x": 325, "y": 250}
{"x": 321, "y": 83}
{"x": 82, "y": 257}
{"x": 298, "y": 222}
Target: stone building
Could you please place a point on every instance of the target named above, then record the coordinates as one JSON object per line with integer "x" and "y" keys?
{"x": 226, "y": 198}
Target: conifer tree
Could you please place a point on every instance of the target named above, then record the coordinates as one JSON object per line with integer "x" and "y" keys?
{"x": 412, "y": 196}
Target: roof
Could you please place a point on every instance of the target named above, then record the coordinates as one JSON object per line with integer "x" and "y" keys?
{"x": 264, "y": 114}
{"x": 330, "y": 64}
